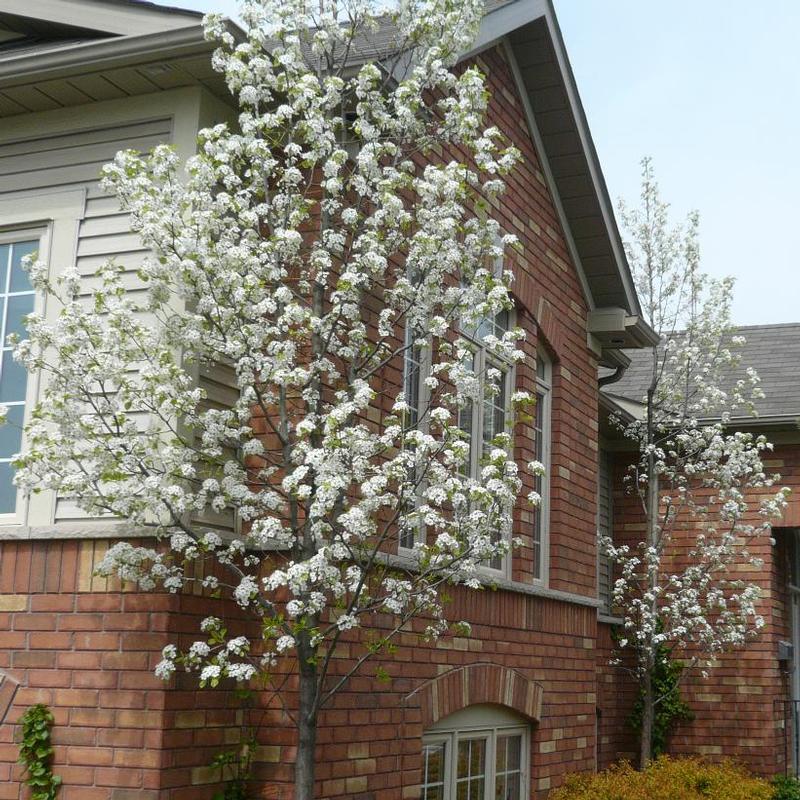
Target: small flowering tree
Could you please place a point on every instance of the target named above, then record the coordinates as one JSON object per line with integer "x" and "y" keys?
{"x": 307, "y": 252}
{"x": 682, "y": 590}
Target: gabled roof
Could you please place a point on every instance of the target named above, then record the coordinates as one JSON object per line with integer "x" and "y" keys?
{"x": 772, "y": 350}
{"x": 555, "y": 115}
{"x": 81, "y": 37}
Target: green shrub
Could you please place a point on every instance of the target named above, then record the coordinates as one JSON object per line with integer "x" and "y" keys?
{"x": 667, "y": 779}
{"x": 785, "y": 788}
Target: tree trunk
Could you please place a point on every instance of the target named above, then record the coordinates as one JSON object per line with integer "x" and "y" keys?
{"x": 648, "y": 704}
{"x": 648, "y": 715}
{"x": 304, "y": 769}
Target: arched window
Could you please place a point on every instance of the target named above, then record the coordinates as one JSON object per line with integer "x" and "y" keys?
{"x": 479, "y": 753}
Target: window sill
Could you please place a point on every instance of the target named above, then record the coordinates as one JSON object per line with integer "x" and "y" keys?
{"x": 497, "y": 582}
{"x": 608, "y": 619}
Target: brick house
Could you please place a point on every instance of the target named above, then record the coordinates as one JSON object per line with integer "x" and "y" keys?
{"x": 82, "y": 79}
{"x": 748, "y": 707}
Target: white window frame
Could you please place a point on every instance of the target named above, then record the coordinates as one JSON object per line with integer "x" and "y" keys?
{"x": 53, "y": 218}
{"x": 488, "y": 723}
{"x": 483, "y": 360}
{"x": 544, "y": 391}
{"x": 14, "y": 235}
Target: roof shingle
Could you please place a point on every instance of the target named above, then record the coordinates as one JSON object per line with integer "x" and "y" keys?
{"x": 772, "y": 350}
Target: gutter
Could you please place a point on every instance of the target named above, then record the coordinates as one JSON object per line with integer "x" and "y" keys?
{"x": 105, "y": 53}
{"x": 789, "y": 421}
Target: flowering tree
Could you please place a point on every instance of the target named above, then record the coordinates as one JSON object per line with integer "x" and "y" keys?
{"x": 681, "y": 589}
{"x": 307, "y": 252}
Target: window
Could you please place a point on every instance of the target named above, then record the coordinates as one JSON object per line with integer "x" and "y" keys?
{"x": 412, "y": 390}
{"x": 16, "y": 301}
{"x": 482, "y": 421}
{"x": 541, "y": 446}
{"x": 480, "y": 753}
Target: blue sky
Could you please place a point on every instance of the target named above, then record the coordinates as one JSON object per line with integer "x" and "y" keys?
{"x": 710, "y": 90}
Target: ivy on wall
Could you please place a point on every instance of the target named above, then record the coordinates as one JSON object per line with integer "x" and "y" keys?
{"x": 36, "y": 753}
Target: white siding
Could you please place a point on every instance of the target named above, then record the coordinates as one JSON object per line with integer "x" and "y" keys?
{"x": 45, "y": 164}
{"x": 218, "y": 381}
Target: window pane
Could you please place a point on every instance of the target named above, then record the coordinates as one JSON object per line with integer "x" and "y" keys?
{"x": 495, "y": 326}
{"x": 11, "y": 432}
{"x": 541, "y": 368}
{"x": 494, "y": 409}
{"x": 5, "y": 254}
{"x": 508, "y": 767}
{"x": 19, "y": 278}
{"x": 501, "y": 323}
{"x": 514, "y": 750}
{"x": 433, "y": 771}
{"x": 18, "y": 307}
{"x": 13, "y": 379}
{"x": 471, "y": 769}
{"x": 8, "y": 494}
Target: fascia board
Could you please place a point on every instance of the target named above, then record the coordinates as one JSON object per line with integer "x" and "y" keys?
{"x": 598, "y": 181}
{"x": 86, "y": 56}
{"x": 495, "y": 27}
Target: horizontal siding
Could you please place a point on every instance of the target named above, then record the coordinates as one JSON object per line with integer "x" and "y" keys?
{"x": 75, "y": 159}
{"x": 218, "y": 381}
{"x": 71, "y": 159}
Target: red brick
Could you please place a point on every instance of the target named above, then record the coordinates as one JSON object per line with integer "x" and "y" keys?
{"x": 96, "y": 641}
{"x": 79, "y": 661}
{"x": 98, "y": 717}
{"x": 99, "y": 602}
{"x": 49, "y": 641}
{"x": 90, "y": 756}
{"x": 52, "y": 602}
{"x": 75, "y": 697}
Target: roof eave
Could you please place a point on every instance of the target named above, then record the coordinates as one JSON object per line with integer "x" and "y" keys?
{"x": 29, "y": 67}
{"x": 496, "y": 27}
{"x": 598, "y": 178}
{"x": 106, "y": 52}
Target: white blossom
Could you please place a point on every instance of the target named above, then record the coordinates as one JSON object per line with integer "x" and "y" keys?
{"x": 267, "y": 249}
{"x": 702, "y": 485}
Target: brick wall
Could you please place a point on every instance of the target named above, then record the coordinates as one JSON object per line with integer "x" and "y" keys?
{"x": 616, "y": 694}
{"x": 738, "y": 709}
{"x": 87, "y": 649}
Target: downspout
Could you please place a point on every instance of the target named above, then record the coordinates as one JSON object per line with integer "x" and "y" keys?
{"x": 615, "y": 376}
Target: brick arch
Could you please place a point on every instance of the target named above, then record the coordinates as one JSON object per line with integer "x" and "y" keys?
{"x": 476, "y": 683}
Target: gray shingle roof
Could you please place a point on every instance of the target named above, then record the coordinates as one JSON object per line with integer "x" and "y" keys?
{"x": 772, "y": 350}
